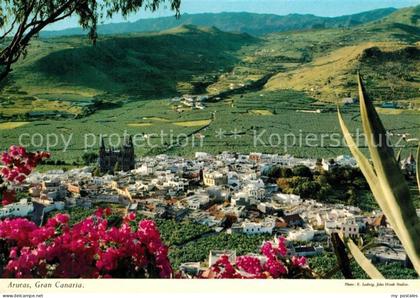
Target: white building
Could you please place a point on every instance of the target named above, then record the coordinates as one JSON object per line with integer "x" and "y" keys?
{"x": 255, "y": 189}
{"x": 202, "y": 155}
{"x": 288, "y": 199}
{"x": 346, "y": 160}
{"x": 19, "y": 209}
{"x": 328, "y": 165}
{"x": 143, "y": 170}
{"x": 301, "y": 235}
{"x": 197, "y": 201}
{"x": 346, "y": 226}
{"x": 214, "y": 178}
{"x": 251, "y": 228}
{"x": 242, "y": 199}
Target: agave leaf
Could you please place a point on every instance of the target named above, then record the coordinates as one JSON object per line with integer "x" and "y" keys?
{"x": 334, "y": 270}
{"x": 366, "y": 169}
{"x": 418, "y": 167}
{"x": 398, "y": 157}
{"x": 360, "y": 242}
{"x": 364, "y": 262}
{"x": 373, "y": 245}
{"x": 341, "y": 254}
{"x": 394, "y": 187}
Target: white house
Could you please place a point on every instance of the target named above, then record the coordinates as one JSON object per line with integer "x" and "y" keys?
{"x": 214, "y": 178}
{"x": 143, "y": 170}
{"x": 346, "y": 226}
{"x": 202, "y": 155}
{"x": 255, "y": 189}
{"x": 328, "y": 165}
{"x": 197, "y": 201}
{"x": 288, "y": 199}
{"x": 19, "y": 209}
{"x": 301, "y": 235}
{"x": 346, "y": 160}
{"x": 242, "y": 199}
{"x": 252, "y": 228}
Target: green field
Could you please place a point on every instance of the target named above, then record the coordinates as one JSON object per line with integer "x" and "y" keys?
{"x": 273, "y": 85}
{"x": 233, "y": 128}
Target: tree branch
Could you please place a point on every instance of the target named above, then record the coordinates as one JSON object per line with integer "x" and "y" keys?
{"x": 10, "y": 29}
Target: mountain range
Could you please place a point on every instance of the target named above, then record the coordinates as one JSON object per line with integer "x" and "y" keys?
{"x": 243, "y": 22}
{"x": 200, "y": 59}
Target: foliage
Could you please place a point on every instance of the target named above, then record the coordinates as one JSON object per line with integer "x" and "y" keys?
{"x": 89, "y": 249}
{"x": 363, "y": 262}
{"x": 76, "y": 214}
{"x": 385, "y": 178}
{"x": 179, "y": 233}
{"x": 198, "y": 250}
{"x": 327, "y": 262}
{"x": 302, "y": 171}
{"x": 22, "y": 20}
{"x": 274, "y": 265}
{"x": 90, "y": 158}
{"x": 342, "y": 184}
{"x": 17, "y": 165}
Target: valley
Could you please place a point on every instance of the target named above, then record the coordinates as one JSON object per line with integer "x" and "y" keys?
{"x": 283, "y": 83}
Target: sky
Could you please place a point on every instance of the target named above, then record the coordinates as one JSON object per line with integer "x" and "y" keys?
{"x": 281, "y": 7}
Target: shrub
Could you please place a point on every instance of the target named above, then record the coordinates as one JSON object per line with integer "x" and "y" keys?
{"x": 89, "y": 249}
{"x": 273, "y": 263}
{"x": 17, "y": 165}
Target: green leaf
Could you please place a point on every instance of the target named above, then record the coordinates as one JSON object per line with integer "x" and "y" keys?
{"x": 398, "y": 158}
{"x": 363, "y": 262}
{"x": 418, "y": 167}
{"x": 366, "y": 168}
{"x": 385, "y": 178}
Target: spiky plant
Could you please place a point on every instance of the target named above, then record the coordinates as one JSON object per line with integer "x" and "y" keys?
{"x": 386, "y": 182}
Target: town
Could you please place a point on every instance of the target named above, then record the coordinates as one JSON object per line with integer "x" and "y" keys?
{"x": 228, "y": 193}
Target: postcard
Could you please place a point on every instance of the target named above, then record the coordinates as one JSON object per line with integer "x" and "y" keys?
{"x": 209, "y": 147}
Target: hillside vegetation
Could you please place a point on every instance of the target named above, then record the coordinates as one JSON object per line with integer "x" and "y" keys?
{"x": 140, "y": 66}
{"x": 252, "y": 23}
{"x": 145, "y": 65}
{"x": 386, "y": 51}
{"x": 280, "y": 83}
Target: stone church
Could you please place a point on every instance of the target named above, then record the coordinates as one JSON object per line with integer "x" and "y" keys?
{"x": 124, "y": 156}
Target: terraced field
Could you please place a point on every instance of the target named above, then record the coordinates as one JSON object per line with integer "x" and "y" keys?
{"x": 68, "y": 93}
{"x": 235, "y": 127}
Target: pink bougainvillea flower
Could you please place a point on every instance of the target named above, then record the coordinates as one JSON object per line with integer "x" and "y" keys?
{"x": 8, "y": 197}
{"x": 17, "y": 165}
{"x": 299, "y": 261}
{"x": 89, "y": 249}
{"x": 131, "y": 216}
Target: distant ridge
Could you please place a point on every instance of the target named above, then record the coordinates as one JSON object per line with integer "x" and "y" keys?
{"x": 251, "y": 23}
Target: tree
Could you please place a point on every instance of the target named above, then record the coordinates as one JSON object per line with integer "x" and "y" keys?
{"x": 274, "y": 172}
{"x": 307, "y": 189}
{"x": 302, "y": 171}
{"x": 89, "y": 158}
{"x": 22, "y": 20}
{"x": 286, "y": 173}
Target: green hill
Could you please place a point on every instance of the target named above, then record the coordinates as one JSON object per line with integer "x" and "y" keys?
{"x": 252, "y": 23}
{"x": 124, "y": 82}
{"x": 179, "y": 60}
{"x": 191, "y": 59}
{"x": 386, "y": 51}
